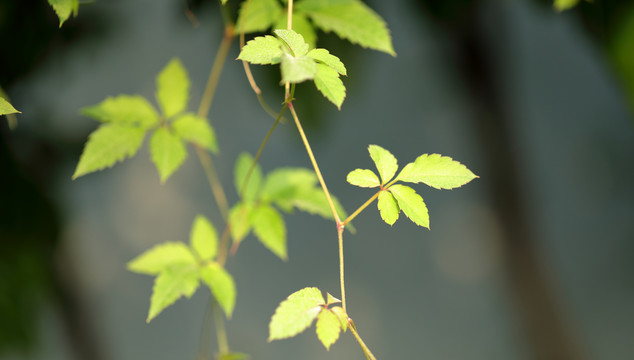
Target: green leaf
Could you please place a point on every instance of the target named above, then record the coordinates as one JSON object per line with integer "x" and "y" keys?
{"x": 561, "y": 5}
{"x": 6, "y": 107}
{"x": 161, "y": 257}
{"x": 295, "y": 42}
{"x": 351, "y": 20}
{"x": 296, "y": 313}
{"x": 252, "y": 187}
{"x": 331, "y": 300}
{"x": 388, "y": 207}
{"x": 196, "y": 130}
{"x": 64, "y": 8}
{"x": 385, "y": 162}
{"x": 411, "y": 203}
{"x": 222, "y": 286}
{"x": 172, "y": 88}
{"x": 257, "y": 15}
{"x": 363, "y": 178}
{"x": 269, "y": 227}
{"x": 107, "y": 145}
{"x": 328, "y": 328}
{"x": 168, "y": 152}
{"x": 241, "y": 220}
{"x": 204, "y": 238}
{"x": 283, "y": 185}
{"x": 301, "y": 25}
{"x": 297, "y": 69}
{"x": 343, "y": 317}
{"x": 330, "y": 85}
{"x": 314, "y": 201}
{"x": 125, "y": 110}
{"x": 437, "y": 171}
{"x": 325, "y": 57}
{"x": 262, "y": 50}
{"x": 170, "y": 285}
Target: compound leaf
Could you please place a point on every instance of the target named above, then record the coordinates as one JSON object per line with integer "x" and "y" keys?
{"x": 301, "y": 25}
{"x": 437, "y": 171}
{"x": 125, "y": 110}
{"x": 196, "y": 130}
{"x": 329, "y": 84}
{"x": 385, "y": 162}
{"x": 296, "y": 313}
{"x": 107, "y": 145}
{"x": 258, "y": 15}
{"x": 325, "y": 57}
{"x": 168, "y": 152}
{"x": 64, "y": 8}
{"x": 222, "y": 286}
{"x": 388, "y": 207}
{"x": 250, "y": 191}
{"x": 204, "y": 238}
{"x": 295, "y": 42}
{"x": 411, "y": 203}
{"x": 262, "y": 50}
{"x": 6, "y": 107}
{"x": 172, "y": 88}
{"x": 351, "y": 20}
{"x": 297, "y": 69}
{"x": 170, "y": 285}
{"x": 161, "y": 257}
{"x": 363, "y": 178}
{"x": 328, "y": 328}
{"x": 269, "y": 227}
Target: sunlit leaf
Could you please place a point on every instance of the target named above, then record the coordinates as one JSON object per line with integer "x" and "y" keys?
{"x": 161, "y": 257}
{"x": 64, "y": 8}
{"x": 351, "y": 20}
{"x": 107, "y": 145}
{"x": 269, "y": 227}
{"x": 329, "y": 84}
{"x": 204, "y": 238}
{"x": 262, "y": 50}
{"x": 388, "y": 207}
{"x": 331, "y": 299}
{"x": 325, "y": 57}
{"x": 328, "y": 328}
{"x": 222, "y": 286}
{"x": 170, "y": 285}
{"x": 385, "y": 162}
{"x": 196, "y": 130}
{"x": 295, "y": 42}
{"x": 6, "y": 107}
{"x": 301, "y": 25}
{"x": 125, "y": 110}
{"x": 258, "y": 15}
{"x": 296, "y": 313}
{"x": 168, "y": 152}
{"x": 241, "y": 220}
{"x": 343, "y": 317}
{"x": 437, "y": 171}
{"x": 297, "y": 69}
{"x": 172, "y": 88}
{"x": 363, "y": 178}
{"x": 284, "y": 185}
{"x": 250, "y": 191}
{"x": 412, "y": 204}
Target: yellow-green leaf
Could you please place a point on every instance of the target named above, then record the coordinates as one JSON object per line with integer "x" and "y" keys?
{"x": 385, "y": 162}
{"x": 161, "y": 257}
{"x": 170, "y": 285}
{"x": 437, "y": 171}
{"x": 328, "y": 328}
{"x": 412, "y": 204}
{"x": 329, "y": 84}
{"x": 363, "y": 178}
{"x": 222, "y": 286}
{"x": 247, "y": 184}
{"x": 204, "y": 238}
{"x": 301, "y": 25}
{"x": 258, "y": 15}
{"x": 64, "y": 8}
{"x": 263, "y": 50}
{"x": 107, "y": 145}
{"x": 6, "y": 107}
{"x": 125, "y": 110}
{"x": 325, "y": 57}
{"x": 561, "y": 5}
{"x": 388, "y": 207}
{"x": 296, "y": 313}
{"x": 172, "y": 88}
{"x": 168, "y": 152}
{"x": 294, "y": 41}
{"x": 269, "y": 227}
{"x": 196, "y": 130}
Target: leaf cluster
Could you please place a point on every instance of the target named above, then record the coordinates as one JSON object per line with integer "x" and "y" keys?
{"x": 349, "y": 19}
{"x": 437, "y": 171}
{"x": 180, "y": 267}
{"x": 263, "y": 197}
{"x": 126, "y": 119}
{"x": 301, "y": 308}
{"x": 298, "y": 63}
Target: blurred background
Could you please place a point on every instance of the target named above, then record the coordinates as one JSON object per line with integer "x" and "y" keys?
{"x": 533, "y": 260}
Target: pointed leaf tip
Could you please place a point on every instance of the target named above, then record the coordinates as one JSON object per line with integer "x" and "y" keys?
{"x": 296, "y": 313}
